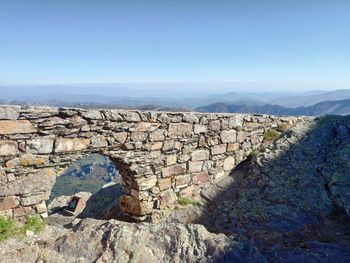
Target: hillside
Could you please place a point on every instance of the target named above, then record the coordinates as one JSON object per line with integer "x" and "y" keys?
{"x": 338, "y": 107}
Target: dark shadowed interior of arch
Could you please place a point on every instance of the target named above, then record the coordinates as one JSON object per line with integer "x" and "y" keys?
{"x": 95, "y": 174}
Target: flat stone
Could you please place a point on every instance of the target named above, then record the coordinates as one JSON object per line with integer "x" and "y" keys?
{"x": 9, "y": 113}
{"x": 41, "y": 145}
{"x": 131, "y": 117}
{"x": 182, "y": 180}
{"x": 232, "y": 147}
{"x": 99, "y": 141}
{"x": 174, "y": 170}
{"x": 200, "y": 178}
{"x": 3, "y": 177}
{"x": 139, "y": 136}
{"x": 32, "y": 200}
{"x": 146, "y": 183}
{"x": 40, "y": 181}
{"x": 167, "y": 198}
{"x": 180, "y": 130}
{"x": 53, "y": 121}
{"x": 41, "y": 208}
{"x": 215, "y": 125}
{"x": 16, "y": 127}
{"x": 200, "y": 155}
{"x": 8, "y": 148}
{"x": 171, "y": 159}
{"x": 121, "y": 136}
{"x": 71, "y": 145}
{"x": 8, "y": 202}
{"x": 92, "y": 115}
{"x": 199, "y": 128}
{"x": 236, "y": 121}
{"x": 157, "y": 135}
{"x": 241, "y": 136}
{"x": 146, "y": 126}
{"x": 218, "y": 149}
{"x": 194, "y": 167}
{"x": 229, "y": 163}
{"x": 164, "y": 183}
{"x": 228, "y": 136}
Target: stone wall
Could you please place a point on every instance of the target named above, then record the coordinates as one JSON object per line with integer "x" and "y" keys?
{"x": 160, "y": 156}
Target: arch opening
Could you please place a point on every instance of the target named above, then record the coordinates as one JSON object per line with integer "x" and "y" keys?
{"x": 96, "y": 180}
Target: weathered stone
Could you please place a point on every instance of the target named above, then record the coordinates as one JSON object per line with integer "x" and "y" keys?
{"x": 130, "y": 204}
{"x": 9, "y": 113}
{"x": 92, "y": 115}
{"x": 194, "y": 167}
{"x": 191, "y": 118}
{"x": 164, "y": 183}
{"x": 157, "y": 135}
{"x": 139, "y": 136}
{"x": 200, "y": 178}
{"x": 156, "y": 146}
{"x": 179, "y": 130}
{"x": 53, "y": 121}
{"x": 41, "y": 208}
{"x": 182, "y": 180}
{"x": 174, "y": 170}
{"x": 8, "y": 202}
{"x": 171, "y": 159}
{"x": 113, "y": 115}
{"x": 236, "y": 121}
{"x": 228, "y": 136}
{"x": 131, "y": 116}
{"x": 218, "y": 149}
{"x": 121, "y": 136}
{"x": 40, "y": 181}
{"x": 30, "y": 160}
{"x": 215, "y": 125}
{"x": 146, "y": 183}
{"x": 167, "y": 198}
{"x": 199, "y": 128}
{"x": 229, "y": 163}
{"x": 16, "y": 126}
{"x": 71, "y": 145}
{"x": 32, "y": 200}
{"x": 232, "y": 147}
{"x": 146, "y": 127}
{"x": 6, "y": 213}
{"x": 41, "y": 145}
{"x": 98, "y": 141}
{"x": 199, "y": 155}
{"x": 241, "y": 136}
{"x": 8, "y": 148}
{"x": 3, "y": 177}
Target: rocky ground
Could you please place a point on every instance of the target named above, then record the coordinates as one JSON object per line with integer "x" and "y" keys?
{"x": 288, "y": 203}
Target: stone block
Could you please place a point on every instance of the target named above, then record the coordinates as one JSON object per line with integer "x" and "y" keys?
{"x": 6, "y": 213}
{"x": 194, "y": 167}
{"x": 146, "y": 183}
{"x": 218, "y": 149}
{"x": 182, "y": 180}
{"x": 157, "y": 135}
{"x": 146, "y": 127}
{"x": 199, "y": 128}
{"x": 236, "y": 121}
{"x": 92, "y": 115}
{"x": 139, "y": 136}
{"x": 180, "y": 130}
{"x": 8, "y": 148}
{"x": 199, "y": 155}
{"x": 32, "y": 200}
{"x": 171, "y": 159}
{"x": 121, "y": 136}
{"x": 232, "y": 147}
{"x": 215, "y": 125}
{"x": 241, "y": 136}
{"x": 9, "y": 113}
{"x": 167, "y": 198}
{"x": 41, "y": 208}
{"x": 71, "y": 145}
{"x": 229, "y": 163}
{"x": 200, "y": 178}
{"x": 174, "y": 170}
{"x": 40, "y": 145}
{"x": 16, "y": 127}
{"x": 99, "y": 141}
{"x": 8, "y": 202}
{"x": 164, "y": 183}
{"x": 228, "y": 136}
{"x": 131, "y": 116}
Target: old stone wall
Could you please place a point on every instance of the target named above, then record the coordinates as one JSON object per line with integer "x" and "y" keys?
{"x": 160, "y": 155}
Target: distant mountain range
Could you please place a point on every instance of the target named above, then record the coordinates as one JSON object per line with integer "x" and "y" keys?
{"x": 338, "y": 107}
{"x": 315, "y": 102}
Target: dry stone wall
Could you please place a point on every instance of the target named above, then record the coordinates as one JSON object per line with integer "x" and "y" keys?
{"x": 160, "y": 155}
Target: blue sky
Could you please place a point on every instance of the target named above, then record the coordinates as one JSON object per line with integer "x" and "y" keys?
{"x": 272, "y": 43}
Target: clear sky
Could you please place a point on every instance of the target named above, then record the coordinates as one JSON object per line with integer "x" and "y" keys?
{"x": 300, "y": 43}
